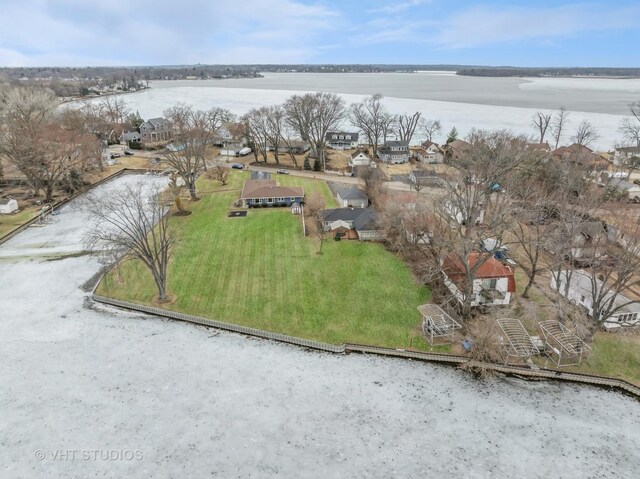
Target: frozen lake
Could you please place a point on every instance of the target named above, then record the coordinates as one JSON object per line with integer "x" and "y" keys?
{"x": 463, "y": 102}
{"x": 157, "y": 398}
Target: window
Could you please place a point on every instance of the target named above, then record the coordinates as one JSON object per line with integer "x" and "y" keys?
{"x": 269, "y": 200}
{"x": 489, "y": 283}
{"x": 280, "y": 200}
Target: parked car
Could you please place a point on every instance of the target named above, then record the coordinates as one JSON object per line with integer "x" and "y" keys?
{"x": 128, "y": 152}
{"x": 282, "y": 172}
{"x": 237, "y": 166}
{"x": 115, "y": 155}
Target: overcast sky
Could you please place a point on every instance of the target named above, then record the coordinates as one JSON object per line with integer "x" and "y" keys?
{"x": 161, "y": 32}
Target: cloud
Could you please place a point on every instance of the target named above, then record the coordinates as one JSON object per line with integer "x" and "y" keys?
{"x": 121, "y": 32}
{"x": 398, "y": 7}
{"x": 489, "y": 25}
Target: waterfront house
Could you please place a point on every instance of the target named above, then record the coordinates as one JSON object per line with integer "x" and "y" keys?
{"x": 341, "y": 140}
{"x": 267, "y": 193}
{"x": 155, "y": 130}
{"x": 394, "y": 152}
{"x": 492, "y": 281}
{"x": 429, "y": 152}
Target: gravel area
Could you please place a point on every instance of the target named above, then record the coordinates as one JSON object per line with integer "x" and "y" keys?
{"x": 89, "y": 391}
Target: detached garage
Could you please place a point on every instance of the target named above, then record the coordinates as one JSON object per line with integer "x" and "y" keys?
{"x": 8, "y": 206}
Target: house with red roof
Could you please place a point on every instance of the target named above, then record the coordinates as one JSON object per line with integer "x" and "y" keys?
{"x": 492, "y": 281}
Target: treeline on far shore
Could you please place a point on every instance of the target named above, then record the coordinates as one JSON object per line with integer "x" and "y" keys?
{"x": 551, "y": 72}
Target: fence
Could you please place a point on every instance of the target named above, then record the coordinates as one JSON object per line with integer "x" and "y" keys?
{"x": 64, "y": 201}
{"x": 450, "y": 359}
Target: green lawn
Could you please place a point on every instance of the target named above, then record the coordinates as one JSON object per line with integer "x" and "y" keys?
{"x": 260, "y": 271}
{"x": 8, "y": 223}
{"x": 616, "y": 355}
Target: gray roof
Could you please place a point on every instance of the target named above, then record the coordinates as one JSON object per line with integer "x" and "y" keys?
{"x": 5, "y": 201}
{"x": 354, "y": 136}
{"x": 391, "y": 143}
{"x": 362, "y": 218}
{"x": 629, "y": 149}
{"x": 352, "y": 194}
{"x": 156, "y": 121}
{"x": 131, "y": 135}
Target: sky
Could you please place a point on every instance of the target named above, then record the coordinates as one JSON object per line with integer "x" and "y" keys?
{"x": 162, "y": 32}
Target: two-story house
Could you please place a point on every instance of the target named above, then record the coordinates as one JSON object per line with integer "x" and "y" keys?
{"x": 341, "y": 140}
{"x": 155, "y": 129}
{"x": 492, "y": 281}
{"x": 394, "y": 152}
{"x": 429, "y": 152}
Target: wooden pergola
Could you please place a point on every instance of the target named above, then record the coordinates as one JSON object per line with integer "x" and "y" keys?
{"x": 436, "y": 323}
{"x": 562, "y": 345}
{"x": 516, "y": 342}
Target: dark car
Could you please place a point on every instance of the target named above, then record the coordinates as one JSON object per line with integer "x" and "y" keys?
{"x": 128, "y": 152}
{"x": 237, "y": 166}
{"x": 282, "y": 172}
{"x": 115, "y": 155}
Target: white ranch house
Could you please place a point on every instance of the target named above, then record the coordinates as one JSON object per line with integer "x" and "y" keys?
{"x": 582, "y": 290}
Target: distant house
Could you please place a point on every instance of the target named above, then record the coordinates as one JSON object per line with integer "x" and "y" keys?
{"x": 580, "y": 242}
{"x": 425, "y": 178}
{"x": 8, "y": 206}
{"x": 493, "y": 282}
{"x": 539, "y": 146}
{"x": 429, "y": 152}
{"x": 347, "y": 221}
{"x": 627, "y": 155}
{"x": 232, "y": 135}
{"x": 267, "y": 193}
{"x": 359, "y": 158}
{"x": 155, "y": 129}
{"x": 631, "y": 189}
{"x": 581, "y": 155}
{"x": 456, "y": 148}
{"x": 394, "y": 152}
{"x": 130, "y": 137}
{"x": 352, "y": 197}
{"x": 341, "y": 140}
{"x": 581, "y": 291}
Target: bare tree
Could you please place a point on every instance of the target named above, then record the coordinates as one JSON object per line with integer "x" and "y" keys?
{"x": 431, "y": 128}
{"x": 541, "y": 122}
{"x": 290, "y": 138}
{"x": 585, "y": 134}
{"x": 132, "y": 221}
{"x": 389, "y": 125}
{"x": 369, "y": 117}
{"x": 219, "y": 173}
{"x": 114, "y": 108}
{"x": 275, "y": 120}
{"x": 407, "y": 125}
{"x": 314, "y": 208}
{"x": 313, "y": 115}
{"x": 256, "y": 123}
{"x": 216, "y": 116}
{"x": 630, "y": 127}
{"x": 373, "y": 180}
{"x": 558, "y": 125}
{"x": 175, "y": 187}
{"x": 187, "y": 153}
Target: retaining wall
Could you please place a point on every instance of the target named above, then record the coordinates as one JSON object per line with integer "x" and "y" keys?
{"x": 451, "y": 359}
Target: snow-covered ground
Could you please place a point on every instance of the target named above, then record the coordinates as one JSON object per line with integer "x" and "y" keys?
{"x": 101, "y": 393}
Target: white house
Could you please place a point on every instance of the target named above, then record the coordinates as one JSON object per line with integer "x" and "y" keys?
{"x": 626, "y": 155}
{"x": 359, "y": 158}
{"x": 341, "y": 140}
{"x": 8, "y": 206}
{"x": 429, "y": 152}
{"x": 394, "y": 152}
{"x": 493, "y": 281}
{"x": 352, "y": 197}
{"x": 582, "y": 291}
